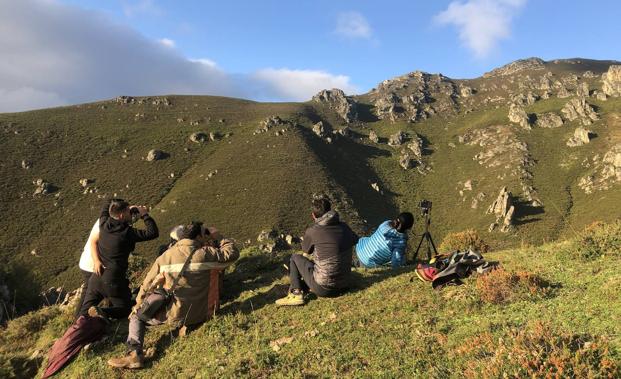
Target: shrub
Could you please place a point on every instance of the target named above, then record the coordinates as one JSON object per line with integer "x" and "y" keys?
{"x": 599, "y": 239}
{"x": 501, "y": 286}
{"x": 539, "y": 351}
{"x": 464, "y": 241}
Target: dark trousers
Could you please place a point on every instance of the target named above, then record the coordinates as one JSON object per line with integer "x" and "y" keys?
{"x": 85, "y": 276}
{"x": 301, "y": 276}
{"x": 116, "y": 290}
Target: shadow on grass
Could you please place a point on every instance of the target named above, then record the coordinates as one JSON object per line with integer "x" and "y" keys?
{"x": 525, "y": 212}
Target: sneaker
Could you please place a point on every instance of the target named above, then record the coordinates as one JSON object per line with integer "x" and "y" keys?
{"x": 133, "y": 360}
{"x": 291, "y": 299}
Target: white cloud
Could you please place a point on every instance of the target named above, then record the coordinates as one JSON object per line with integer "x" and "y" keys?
{"x": 353, "y": 25}
{"x": 55, "y": 54}
{"x": 299, "y": 85}
{"x": 167, "y": 42}
{"x": 482, "y": 24}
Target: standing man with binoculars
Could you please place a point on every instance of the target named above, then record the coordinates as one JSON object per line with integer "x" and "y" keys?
{"x": 117, "y": 239}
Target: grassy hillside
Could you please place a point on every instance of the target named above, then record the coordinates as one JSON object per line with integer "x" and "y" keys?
{"x": 245, "y": 182}
{"x": 551, "y": 311}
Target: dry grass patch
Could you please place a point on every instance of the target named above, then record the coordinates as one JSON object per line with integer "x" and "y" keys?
{"x": 468, "y": 239}
{"x": 501, "y": 286}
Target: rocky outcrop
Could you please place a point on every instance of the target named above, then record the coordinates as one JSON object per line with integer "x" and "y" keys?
{"x": 336, "y": 100}
{"x": 578, "y": 108}
{"x": 517, "y": 66}
{"x": 581, "y": 137}
{"x": 518, "y": 115}
{"x": 155, "y": 155}
{"x": 504, "y": 209}
{"x": 322, "y": 130}
{"x": 373, "y": 137}
{"x": 416, "y": 146}
{"x": 271, "y": 122}
{"x": 611, "y": 81}
{"x": 397, "y": 139}
{"x": 414, "y": 97}
{"x": 405, "y": 161}
{"x": 549, "y": 120}
{"x": 583, "y": 90}
{"x": 606, "y": 173}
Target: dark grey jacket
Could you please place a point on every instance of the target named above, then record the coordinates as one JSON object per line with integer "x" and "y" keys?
{"x": 331, "y": 242}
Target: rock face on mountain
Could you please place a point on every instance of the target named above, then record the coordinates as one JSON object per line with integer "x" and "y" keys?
{"x": 518, "y": 115}
{"x": 336, "y": 100}
{"x": 578, "y": 108}
{"x": 414, "y": 97}
{"x": 549, "y": 120}
{"x": 517, "y": 66}
{"x": 611, "y": 81}
{"x": 607, "y": 171}
{"x": 503, "y": 207}
{"x": 581, "y": 137}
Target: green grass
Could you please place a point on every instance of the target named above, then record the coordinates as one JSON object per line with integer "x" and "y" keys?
{"x": 389, "y": 325}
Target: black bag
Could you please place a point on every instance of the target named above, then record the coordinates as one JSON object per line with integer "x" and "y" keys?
{"x": 159, "y": 297}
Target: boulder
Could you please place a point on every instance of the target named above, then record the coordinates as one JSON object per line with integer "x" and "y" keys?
{"x": 336, "y": 100}
{"x": 85, "y": 182}
{"x": 397, "y": 139}
{"x": 581, "y": 137}
{"x": 271, "y": 122}
{"x": 578, "y": 108}
{"x": 549, "y": 120}
{"x": 373, "y": 137}
{"x": 26, "y": 165}
{"x": 322, "y": 130}
{"x": 518, "y": 115}
{"x": 611, "y": 81}
{"x": 155, "y": 155}
{"x": 198, "y": 137}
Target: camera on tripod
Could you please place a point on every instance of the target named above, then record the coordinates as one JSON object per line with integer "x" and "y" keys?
{"x": 425, "y": 206}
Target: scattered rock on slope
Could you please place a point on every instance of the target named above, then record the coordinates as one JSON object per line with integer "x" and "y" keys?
{"x": 323, "y": 130}
{"x": 198, "y": 137}
{"x": 336, "y": 100}
{"x": 373, "y": 137}
{"x": 43, "y": 187}
{"x": 581, "y": 137}
{"x": 578, "y": 108}
{"x": 26, "y": 165}
{"x": 611, "y": 81}
{"x": 155, "y": 155}
{"x": 549, "y": 120}
{"x": 503, "y": 207}
{"x": 405, "y": 161}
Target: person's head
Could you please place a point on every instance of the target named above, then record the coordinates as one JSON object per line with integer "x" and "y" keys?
{"x": 120, "y": 210}
{"x": 320, "y": 205}
{"x": 404, "y": 222}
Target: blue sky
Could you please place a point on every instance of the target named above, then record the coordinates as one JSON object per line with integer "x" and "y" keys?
{"x": 286, "y": 50}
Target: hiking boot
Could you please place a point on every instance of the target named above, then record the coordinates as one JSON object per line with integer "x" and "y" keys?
{"x": 133, "y": 360}
{"x": 291, "y": 299}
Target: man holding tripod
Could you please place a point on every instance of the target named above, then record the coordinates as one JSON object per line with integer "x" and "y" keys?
{"x": 117, "y": 239}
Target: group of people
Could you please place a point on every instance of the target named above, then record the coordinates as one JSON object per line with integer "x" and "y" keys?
{"x": 176, "y": 289}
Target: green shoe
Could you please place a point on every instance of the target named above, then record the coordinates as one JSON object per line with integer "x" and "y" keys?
{"x": 291, "y": 299}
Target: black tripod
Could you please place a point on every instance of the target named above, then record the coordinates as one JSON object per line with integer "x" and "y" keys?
{"x": 426, "y": 237}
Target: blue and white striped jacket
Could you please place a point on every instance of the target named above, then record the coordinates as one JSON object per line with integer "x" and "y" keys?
{"x": 385, "y": 245}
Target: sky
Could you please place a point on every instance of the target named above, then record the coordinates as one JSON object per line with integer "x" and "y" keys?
{"x": 59, "y": 52}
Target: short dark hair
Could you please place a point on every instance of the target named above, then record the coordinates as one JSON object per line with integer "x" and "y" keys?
{"x": 406, "y": 220}
{"x": 320, "y": 205}
{"x": 117, "y": 207}
{"x": 193, "y": 230}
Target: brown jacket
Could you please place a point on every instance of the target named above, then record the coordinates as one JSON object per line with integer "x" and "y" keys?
{"x": 190, "y": 303}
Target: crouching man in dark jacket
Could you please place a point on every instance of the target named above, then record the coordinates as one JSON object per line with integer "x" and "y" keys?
{"x": 186, "y": 271}
{"x": 117, "y": 239}
{"x": 330, "y": 241}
